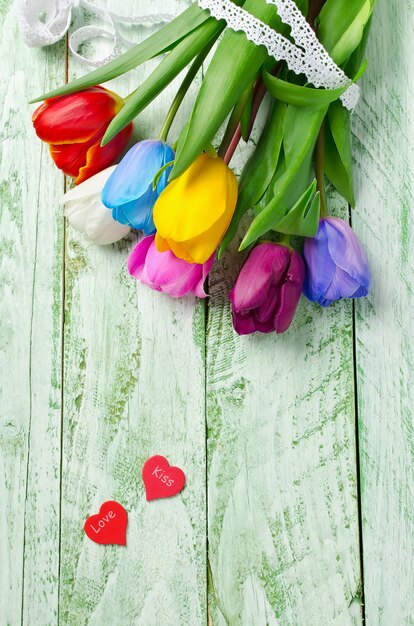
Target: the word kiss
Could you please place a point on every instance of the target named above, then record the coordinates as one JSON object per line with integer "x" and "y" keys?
{"x": 160, "y": 479}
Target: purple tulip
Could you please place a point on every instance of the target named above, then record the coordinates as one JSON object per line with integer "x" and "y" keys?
{"x": 267, "y": 290}
{"x": 163, "y": 271}
{"x": 337, "y": 266}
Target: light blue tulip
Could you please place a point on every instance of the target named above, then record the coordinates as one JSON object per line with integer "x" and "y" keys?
{"x": 336, "y": 264}
{"x": 128, "y": 191}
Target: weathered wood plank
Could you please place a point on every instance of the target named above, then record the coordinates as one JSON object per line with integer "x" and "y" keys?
{"x": 384, "y": 153}
{"x": 31, "y": 244}
{"x": 282, "y": 497}
{"x": 134, "y": 387}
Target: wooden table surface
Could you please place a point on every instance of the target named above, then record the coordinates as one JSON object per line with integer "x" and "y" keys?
{"x": 298, "y": 449}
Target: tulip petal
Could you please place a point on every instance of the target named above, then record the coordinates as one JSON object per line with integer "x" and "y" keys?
{"x": 244, "y": 324}
{"x": 342, "y": 286}
{"x": 91, "y": 187}
{"x": 165, "y": 268}
{"x": 76, "y": 118}
{"x": 69, "y": 158}
{"x": 346, "y": 250}
{"x": 192, "y": 282}
{"x": 137, "y": 213}
{"x": 265, "y": 264}
{"x": 320, "y": 266}
{"x": 173, "y": 275}
{"x": 290, "y": 293}
{"x": 161, "y": 244}
{"x": 211, "y": 188}
{"x": 163, "y": 271}
{"x": 199, "y": 289}
{"x": 265, "y": 311}
{"x": 361, "y": 292}
{"x": 135, "y": 173}
{"x": 98, "y": 158}
{"x": 136, "y": 260}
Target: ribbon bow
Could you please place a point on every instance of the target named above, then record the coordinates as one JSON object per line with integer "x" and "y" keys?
{"x": 44, "y": 22}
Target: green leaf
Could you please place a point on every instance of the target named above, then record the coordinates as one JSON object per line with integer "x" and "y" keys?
{"x": 160, "y": 172}
{"x": 259, "y": 170}
{"x": 341, "y": 25}
{"x": 246, "y": 115}
{"x": 167, "y": 70}
{"x": 158, "y": 43}
{"x": 298, "y": 95}
{"x": 338, "y": 151}
{"x": 232, "y": 69}
{"x": 303, "y": 218}
{"x": 301, "y": 130}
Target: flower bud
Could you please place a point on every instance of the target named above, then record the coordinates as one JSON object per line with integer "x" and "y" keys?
{"x": 74, "y": 125}
{"x": 336, "y": 264}
{"x": 194, "y": 211}
{"x": 164, "y": 272}
{"x": 129, "y": 191}
{"x": 86, "y": 213}
{"x": 267, "y": 290}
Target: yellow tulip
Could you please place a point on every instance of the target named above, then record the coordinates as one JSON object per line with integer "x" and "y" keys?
{"x": 194, "y": 211}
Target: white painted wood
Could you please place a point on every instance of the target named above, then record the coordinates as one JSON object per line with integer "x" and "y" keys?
{"x": 384, "y": 153}
{"x": 134, "y": 387}
{"x": 283, "y": 520}
{"x": 31, "y": 241}
{"x": 283, "y": 537}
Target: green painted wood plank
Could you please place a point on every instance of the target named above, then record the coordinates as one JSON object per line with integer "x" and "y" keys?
{"x": 31, "y": 245}
{"x": 133, "y": 387}
{"x": 282, "y": 496}
{"x": 384, "y": 153}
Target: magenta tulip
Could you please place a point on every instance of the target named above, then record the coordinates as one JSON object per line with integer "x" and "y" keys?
{"x": 163, "y": 271}
{"x": 267, "y": 290}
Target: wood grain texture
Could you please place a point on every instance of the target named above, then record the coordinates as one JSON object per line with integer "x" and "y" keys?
{"x": 384, "y": 154}
{"x": 141, "y": 377}
{"x": 133, "y": 387}
{"x": 31, "y": 227}
{"x": 283, "y": 517}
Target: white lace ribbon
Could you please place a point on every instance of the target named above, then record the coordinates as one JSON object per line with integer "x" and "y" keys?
{"x": 307, "y": 56}
{"x": 44, "y": 22}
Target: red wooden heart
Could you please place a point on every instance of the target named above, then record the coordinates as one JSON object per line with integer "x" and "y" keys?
{"x": 161, "y": 479}
{"x": 109, "y": 525}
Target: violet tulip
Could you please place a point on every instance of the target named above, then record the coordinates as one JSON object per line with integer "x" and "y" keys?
{"x": 337, "y": 266}
{"x": 163, "y": 271}
{"x": 267, "y": 290}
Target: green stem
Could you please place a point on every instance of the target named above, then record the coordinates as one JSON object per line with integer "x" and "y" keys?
{"x": 284, "y": 240}
{"x": 184, "y": 87}
{"x": 320, "y": 175}
{"x": 233, "y": 123}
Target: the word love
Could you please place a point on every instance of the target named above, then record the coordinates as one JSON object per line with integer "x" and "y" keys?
{"x": 161, "y": 479}
{"x": 109, "y": 525}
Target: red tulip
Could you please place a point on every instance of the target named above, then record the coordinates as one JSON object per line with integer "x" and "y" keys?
{"x": 74, "y": 125}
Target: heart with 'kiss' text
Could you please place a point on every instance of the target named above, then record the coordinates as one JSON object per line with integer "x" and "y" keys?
{"x": 161, "y": 479}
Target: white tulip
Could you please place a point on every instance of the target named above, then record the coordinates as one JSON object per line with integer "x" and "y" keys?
{"x": 86, "y": 213}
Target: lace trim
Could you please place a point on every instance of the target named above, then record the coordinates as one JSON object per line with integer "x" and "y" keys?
{"x": 307, "y": 56}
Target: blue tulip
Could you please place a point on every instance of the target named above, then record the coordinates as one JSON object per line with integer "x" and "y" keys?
{"x": 128, "y": 191}
{"x": 337, "y": 266}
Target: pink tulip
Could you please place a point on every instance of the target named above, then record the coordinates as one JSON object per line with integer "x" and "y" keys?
{"x": 163, "y": 271}
{"x": 267, "y": 290}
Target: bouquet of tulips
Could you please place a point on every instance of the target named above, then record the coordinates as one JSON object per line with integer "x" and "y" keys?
{"x": 182, "y": 193}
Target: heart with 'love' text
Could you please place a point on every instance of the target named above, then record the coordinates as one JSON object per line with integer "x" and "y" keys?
{"x": 161, "y": 479}
{"x": 109, "y": 525}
